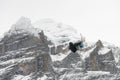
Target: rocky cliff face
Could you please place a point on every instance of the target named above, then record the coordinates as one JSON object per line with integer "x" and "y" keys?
{"x": 101, "y": 59}
{"x": 27, "y": 51}
{"x": 41, "y": 53}
{"x": 22, "y": 38}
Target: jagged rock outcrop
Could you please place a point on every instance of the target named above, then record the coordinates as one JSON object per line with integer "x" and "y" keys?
{"x": 92, "y": 61}
{"x": 70, "y": 60}
{"x": 23, "y": 38}
{"x": 58, "y": 49}
{"x": 44, "y": 62}
{"x": 27, "y": 49}
{"x": 99, "y": 44}
{"x": 108, "y": 62}
{"x": 101, "y": 62}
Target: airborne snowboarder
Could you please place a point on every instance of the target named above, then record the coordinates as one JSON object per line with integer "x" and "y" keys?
{"x": 75, "y": 46}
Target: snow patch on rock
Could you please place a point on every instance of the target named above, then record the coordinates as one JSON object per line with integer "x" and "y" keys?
{"x": 59, "y": 56}
{"x": 103, "y": 51}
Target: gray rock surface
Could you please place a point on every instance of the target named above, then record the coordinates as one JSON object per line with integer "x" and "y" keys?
{"x": 101, "y": 62}
{"x": 27, "y": 54}
{"x": 70, "y": 60}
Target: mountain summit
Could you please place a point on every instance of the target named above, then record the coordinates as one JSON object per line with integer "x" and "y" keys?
{"x": 23, "y": 25}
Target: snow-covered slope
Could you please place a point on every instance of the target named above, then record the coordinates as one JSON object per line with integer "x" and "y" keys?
{"x": 57, "y": 32}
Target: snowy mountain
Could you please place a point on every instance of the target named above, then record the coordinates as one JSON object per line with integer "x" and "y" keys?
{"x": 40, "y": 51}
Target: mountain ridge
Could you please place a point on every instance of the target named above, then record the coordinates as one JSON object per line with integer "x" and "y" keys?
{"x": 29, "y": 52}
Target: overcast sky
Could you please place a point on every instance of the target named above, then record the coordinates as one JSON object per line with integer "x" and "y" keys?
{"x": 95, "y": 19}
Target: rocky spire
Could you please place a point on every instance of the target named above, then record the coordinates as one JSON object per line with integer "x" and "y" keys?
{"x": 99, "y": 44}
